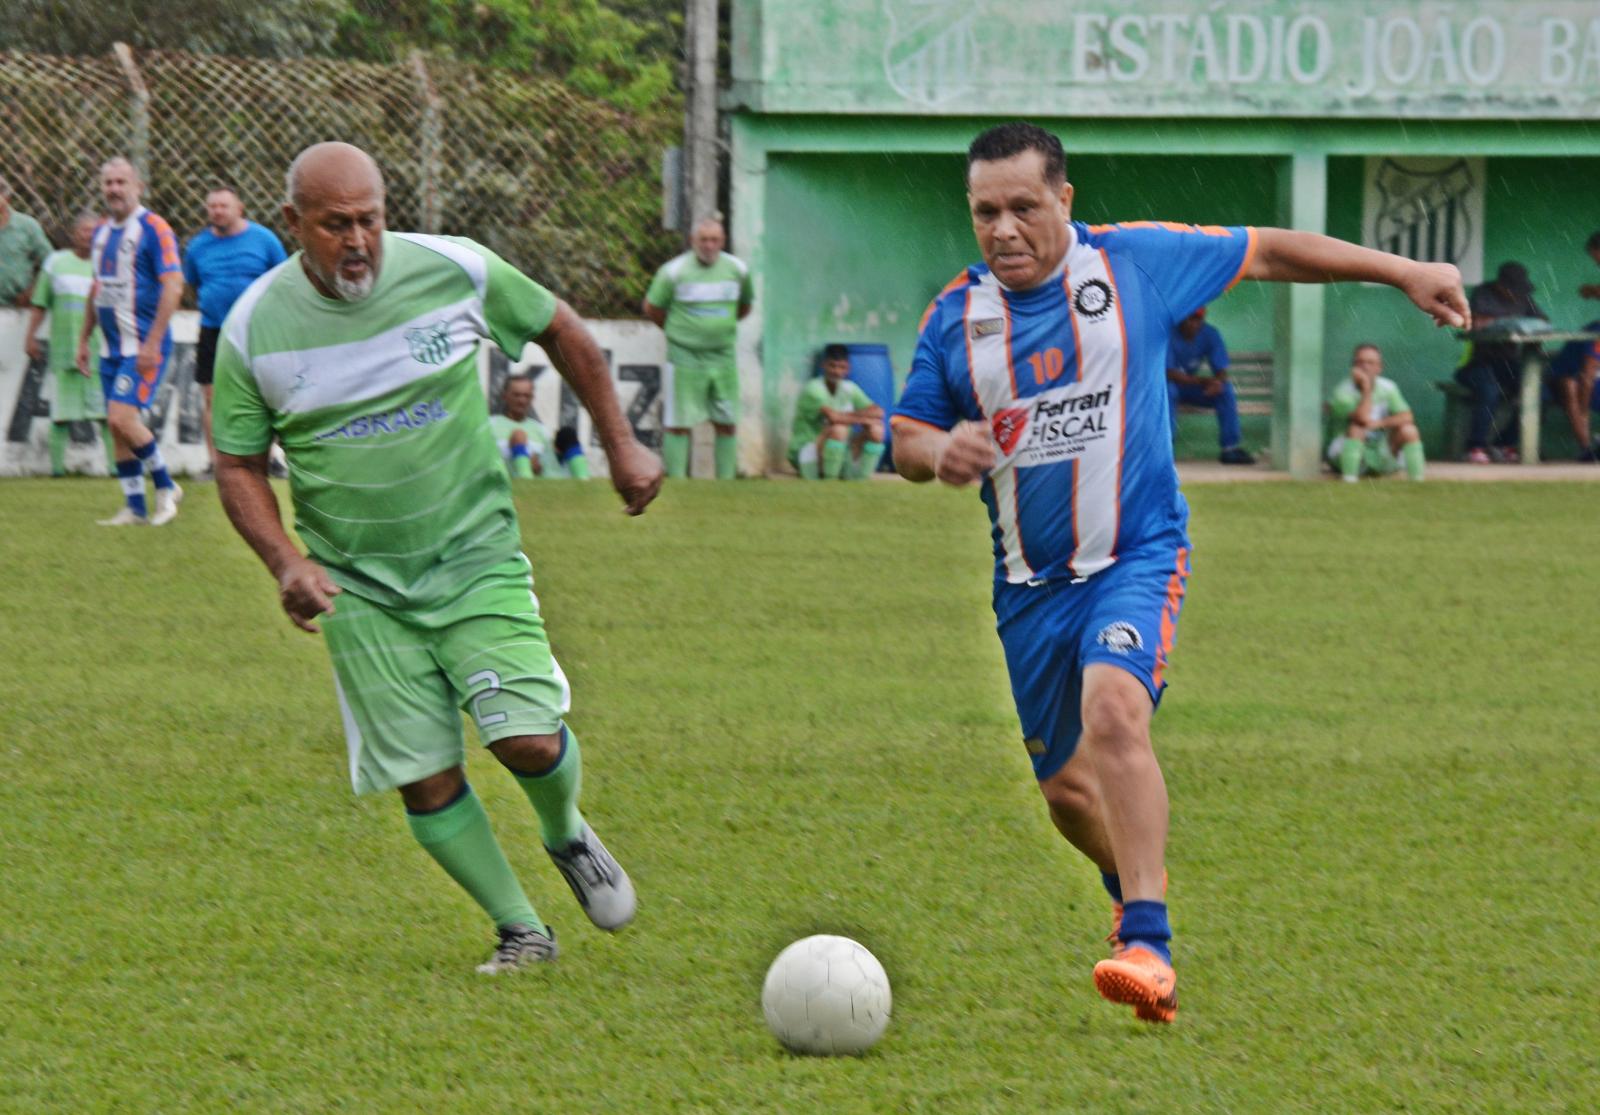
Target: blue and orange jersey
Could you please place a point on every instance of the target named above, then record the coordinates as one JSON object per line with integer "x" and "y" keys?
{"x": 1070, "y": 378}
{"x": 129, "y": 258}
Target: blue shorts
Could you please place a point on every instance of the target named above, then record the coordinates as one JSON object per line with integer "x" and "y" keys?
{"x": 1126, "y": 616}
{"x": 121, "y": 382}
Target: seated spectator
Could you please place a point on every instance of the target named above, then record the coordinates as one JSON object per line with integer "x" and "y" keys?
{"x": 1493, "y": 371}
{"x": 524, "y": 440}
{"x": 1379, "y": 431}
{"x": 1196, "y": 344}
{"x": 838, "y": 430}
{"x": 1572, "y": 382}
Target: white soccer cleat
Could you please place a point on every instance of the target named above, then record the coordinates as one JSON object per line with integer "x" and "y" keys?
{"x": 520, "y": 946}
{"x": 602, "y": 888}
{"x": 167, "y": 500}
{"x": 124, "y": 518}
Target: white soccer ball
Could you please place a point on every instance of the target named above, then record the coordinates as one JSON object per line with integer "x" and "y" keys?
{"x": 826, "y": 995}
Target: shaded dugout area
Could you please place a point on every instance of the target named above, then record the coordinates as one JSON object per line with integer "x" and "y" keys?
{"x": 854, "y": 246}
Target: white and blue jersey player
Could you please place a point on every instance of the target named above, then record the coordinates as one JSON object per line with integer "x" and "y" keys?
{"x": 1042, "y": 372}
{"x": 138, "y": 282}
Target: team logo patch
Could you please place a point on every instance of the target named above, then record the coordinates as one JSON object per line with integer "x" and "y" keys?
{"x": 1093, "y": 298}
{"x": 988, "y": 326}
{"x": 1120, "y": 638}
{"x": 124, "y": 384}
{"x": 1008, "y": 426}
{"x": 430, "y": 344}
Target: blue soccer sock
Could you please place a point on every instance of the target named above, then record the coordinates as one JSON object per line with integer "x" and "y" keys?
{"x": 150, "y": 456}
{"x": 1144, "y": 924}
{"x": 1113, "y": 885}
{"x": 130, "y": 474}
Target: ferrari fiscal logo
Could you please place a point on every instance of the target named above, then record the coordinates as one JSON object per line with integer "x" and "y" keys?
{"x": 430, "y": 344}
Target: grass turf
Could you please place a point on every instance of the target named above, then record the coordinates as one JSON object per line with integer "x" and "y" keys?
{"x": 1379, "y": 743}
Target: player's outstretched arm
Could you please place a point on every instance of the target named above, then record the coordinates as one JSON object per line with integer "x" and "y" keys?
{"x": 923, "y": 453}
{"x": 1290, "y": 256}
{"x": 304, "y": 588}
{"x": 635, "y": 471}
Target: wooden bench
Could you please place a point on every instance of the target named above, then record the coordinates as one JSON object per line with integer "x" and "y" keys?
{"x": 1251, "y": 375}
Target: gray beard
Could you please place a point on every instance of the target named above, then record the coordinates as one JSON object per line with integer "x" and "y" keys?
{"x": 354, "y": 291}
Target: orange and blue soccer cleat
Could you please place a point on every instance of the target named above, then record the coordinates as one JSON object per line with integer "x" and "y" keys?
{"x": 1141, "y": 979}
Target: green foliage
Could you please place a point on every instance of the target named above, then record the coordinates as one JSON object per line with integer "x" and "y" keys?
{"x": 256, "y": 28}
{"x": 1378, "y": 742}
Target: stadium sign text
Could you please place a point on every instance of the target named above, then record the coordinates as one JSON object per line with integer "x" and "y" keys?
{"x": 1489, "y": 58}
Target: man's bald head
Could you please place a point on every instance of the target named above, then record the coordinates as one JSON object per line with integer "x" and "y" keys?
{"x": 324, "y": 168}
{"x": 335, "y": 210}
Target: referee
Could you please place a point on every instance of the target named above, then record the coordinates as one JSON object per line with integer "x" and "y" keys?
{"x": 226, "y": 256}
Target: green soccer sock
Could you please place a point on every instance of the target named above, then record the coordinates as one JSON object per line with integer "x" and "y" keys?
{"x": 833, "y": 455}
{"x": 59, "y": 433}
{"x": 111, "y": 448}
{"x": 578, "y": 467}
{"x": 554, "y": 794}
{"x": 675, "y": 454}
{"x": 1350, "y": 458}
{"x": 460, "y": 839}
{"x": 871, "y": 454}
{"x": 1411, "y": 454}
{"x": 727, "y": 455}
{"x": 809, "y": 469}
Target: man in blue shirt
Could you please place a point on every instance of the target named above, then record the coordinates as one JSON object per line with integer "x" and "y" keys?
{"x": 1196, "y": 344}
{"x": 1042, "y": 372}
{"x": 222, "y": 259}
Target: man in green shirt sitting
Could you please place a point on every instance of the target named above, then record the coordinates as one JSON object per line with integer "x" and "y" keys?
{"x": 525, "y": 442}
{"x": 1379, "y": 431}
{"x": 838, "y": 430}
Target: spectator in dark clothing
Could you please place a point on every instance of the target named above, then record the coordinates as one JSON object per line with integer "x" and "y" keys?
{"x": 1494, "y": 370}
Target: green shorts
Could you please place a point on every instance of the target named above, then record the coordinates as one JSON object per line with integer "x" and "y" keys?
{"x": 403, "y": 685}
{"x": 1375, "y": 456}
{"x": 699, "y": 387}
{"x": 77, "y": 397}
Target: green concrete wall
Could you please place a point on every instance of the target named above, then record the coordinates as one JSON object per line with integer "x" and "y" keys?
{"x": 856, "y": 244}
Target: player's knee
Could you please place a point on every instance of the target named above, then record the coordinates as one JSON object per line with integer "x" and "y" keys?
{"x": 433, "y": 792}
{"x": 874, "y": 432}
{"x": 528, "y": 754}
{"x": 1409, "y": 434}
{"x": 838, "y": 433}
{"x": 124, "y": 422}
{"x": 1116, "y": 716}
{"x": 1070, "y": 792}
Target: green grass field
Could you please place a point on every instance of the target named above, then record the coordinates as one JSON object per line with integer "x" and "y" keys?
{"x": 1380, "y": 743}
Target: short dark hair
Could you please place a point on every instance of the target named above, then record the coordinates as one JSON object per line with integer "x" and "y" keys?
{"x": 1362, "y": 347}
{"x": 1006, "y": 141}
{"x": 1594, "y": 242}
{"x": 835, "y": 352}
{"x": 516, "y": 377}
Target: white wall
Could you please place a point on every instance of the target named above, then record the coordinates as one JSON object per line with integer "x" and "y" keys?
{"x": 634, "y": 349}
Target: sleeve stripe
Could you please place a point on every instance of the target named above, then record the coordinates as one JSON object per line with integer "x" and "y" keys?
{"x": 1249, "y": 257}
{"x": 907, "y": 420}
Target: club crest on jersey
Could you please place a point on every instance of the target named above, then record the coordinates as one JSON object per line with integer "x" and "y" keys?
{"x": 988, "y": 327}
{"x": 1009, "y": 425}
{"x": 1120, "y": 638}
{"x": 1093, "y": 298}
{"x": 430, "y": 344}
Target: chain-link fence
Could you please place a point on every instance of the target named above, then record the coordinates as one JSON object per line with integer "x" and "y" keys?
{"x": 566, "y": 188}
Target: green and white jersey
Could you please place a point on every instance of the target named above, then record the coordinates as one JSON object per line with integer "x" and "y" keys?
{"x": 63, "y": 289}
{"x": 702, "y": 303}
{"x": 1386, "y": 400}
{"x": 808, "y": 422}
{"x": 539, "y": 443}
{"x": 397, "y": 483}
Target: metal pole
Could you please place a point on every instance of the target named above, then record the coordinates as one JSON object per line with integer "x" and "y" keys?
{"x": 428, "y": 148}
{"x": 138, "y": 110}
{"x": 700, "y": 122}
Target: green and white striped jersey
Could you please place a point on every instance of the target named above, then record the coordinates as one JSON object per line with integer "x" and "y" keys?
{"x": 397, "y": 482}
{"x": 702, "y": 303}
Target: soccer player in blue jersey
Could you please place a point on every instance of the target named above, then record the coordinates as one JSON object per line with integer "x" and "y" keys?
{"x": 1042, "y": 372}
{"x": 138, "y": 283}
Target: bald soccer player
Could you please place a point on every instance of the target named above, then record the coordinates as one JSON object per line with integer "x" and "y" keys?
{"x": 360, "y": 354}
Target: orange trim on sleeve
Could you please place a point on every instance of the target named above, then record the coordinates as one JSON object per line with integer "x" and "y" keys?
{"x": 1249, "y": 258}
{"x": 907, "y": 420}
{"x": 956, "y": 283}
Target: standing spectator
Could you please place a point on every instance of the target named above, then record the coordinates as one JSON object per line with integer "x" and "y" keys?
{"x": 63, "y": 290}
{"x": 1379, "y": 432}
{"x": 1196, "y": 344}
{"x": 23, "y": 247}
{"x": 138, "y": 283}
{"x": 1493, "y": 371}
{"x": 835, "y": 424}
{"x": 698, "y": 298}
{"x": 221, "y": 260}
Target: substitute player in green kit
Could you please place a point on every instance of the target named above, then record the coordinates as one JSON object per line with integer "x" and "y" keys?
{"x": 359, "y": 354}
{"x": 63, "y": 291}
